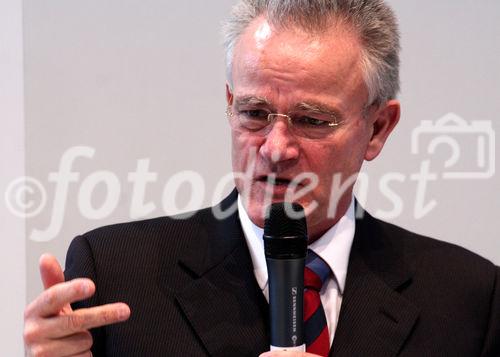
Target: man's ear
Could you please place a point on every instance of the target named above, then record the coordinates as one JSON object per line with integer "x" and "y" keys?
{"x": 383, "y": 120}
{"x": 229, "y": 95}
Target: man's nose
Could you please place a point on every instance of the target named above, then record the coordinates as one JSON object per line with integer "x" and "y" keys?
{"x": 280, "y": 144}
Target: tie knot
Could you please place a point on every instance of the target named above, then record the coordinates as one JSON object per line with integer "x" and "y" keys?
{"x": 316, "y": 271}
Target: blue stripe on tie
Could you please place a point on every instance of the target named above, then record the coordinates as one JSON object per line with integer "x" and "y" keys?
{"x": 317, "y": 265}
{"x": 314, "y": 326}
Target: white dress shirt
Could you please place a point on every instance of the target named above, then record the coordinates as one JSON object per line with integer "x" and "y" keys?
{"x": 333, "y": 247}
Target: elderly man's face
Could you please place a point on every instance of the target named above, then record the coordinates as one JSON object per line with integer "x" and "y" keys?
{"x": 292, "y": 72}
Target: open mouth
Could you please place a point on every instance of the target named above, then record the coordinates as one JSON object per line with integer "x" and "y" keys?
{"x": 275, "y": 181}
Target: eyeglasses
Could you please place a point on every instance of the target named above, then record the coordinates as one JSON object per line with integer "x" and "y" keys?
{"x": 260, "y": 122}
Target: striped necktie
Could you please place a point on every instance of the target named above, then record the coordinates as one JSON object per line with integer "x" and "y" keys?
{"x": 316, "y": 336}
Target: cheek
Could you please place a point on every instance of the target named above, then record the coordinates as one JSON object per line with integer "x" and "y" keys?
{"x": 243, "y": 147}
{"x": 343, "y": 156}
{"x": 354, "y": 142}
{"x": 320, "y": 159}
{"x": 235, "y": 151}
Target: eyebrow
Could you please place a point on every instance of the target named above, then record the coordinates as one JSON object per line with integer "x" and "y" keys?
{"x": 252, "y": 100}
{"x": 318, "y": 108}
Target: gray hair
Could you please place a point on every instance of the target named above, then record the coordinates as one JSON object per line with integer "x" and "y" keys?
{"x": 373, "y": 20}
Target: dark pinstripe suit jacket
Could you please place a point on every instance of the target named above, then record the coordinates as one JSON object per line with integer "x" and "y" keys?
{"x": 192, "y": 292}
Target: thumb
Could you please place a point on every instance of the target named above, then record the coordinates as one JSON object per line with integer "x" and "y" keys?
{"x": 50, "y": 271}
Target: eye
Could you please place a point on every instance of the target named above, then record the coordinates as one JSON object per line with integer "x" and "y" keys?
{"x": 313, "y": 122}
{"x": 253, "y": 119}
{"x": 254, "y": 114}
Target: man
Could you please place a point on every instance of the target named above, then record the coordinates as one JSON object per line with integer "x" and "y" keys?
{"x": 311, "y": 94}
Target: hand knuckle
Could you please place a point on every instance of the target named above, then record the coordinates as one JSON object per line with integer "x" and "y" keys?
{"x": 88, "y": 341}
{"x": 85, "y": 339}
{"x": 30, "y": 333}
{"x": 27, "y": 311}
{"x": 50, "y": 297}
{"x": 39, "y": 351}
{"x": 107, "y": 316}
{"x": 74, "y": 322}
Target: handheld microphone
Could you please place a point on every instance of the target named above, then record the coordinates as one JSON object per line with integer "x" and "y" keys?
{"x": 285, "y": 246}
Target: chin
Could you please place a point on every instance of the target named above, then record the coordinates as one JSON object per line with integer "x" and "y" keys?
{"x": 256, "y": 216}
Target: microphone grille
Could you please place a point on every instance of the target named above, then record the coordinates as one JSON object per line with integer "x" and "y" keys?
{"x": 285, "y": 219}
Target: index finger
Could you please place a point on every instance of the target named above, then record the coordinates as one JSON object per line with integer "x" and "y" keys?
{"x": 51, "y": 301}
{"x": 86, "y": 319}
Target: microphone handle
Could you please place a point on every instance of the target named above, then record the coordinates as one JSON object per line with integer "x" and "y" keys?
{"x": 286, "y": 303}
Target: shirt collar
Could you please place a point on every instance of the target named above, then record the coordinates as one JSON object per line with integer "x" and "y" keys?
{"x": 333, "y": 247}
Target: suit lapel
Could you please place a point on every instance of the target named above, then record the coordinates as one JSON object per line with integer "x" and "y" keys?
{"x": 223, "y": 303}
{"x": 375, "y": 319}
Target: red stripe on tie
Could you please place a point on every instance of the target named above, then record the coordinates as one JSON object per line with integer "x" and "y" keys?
{"x": 311, "y": 303}
{"x": 316, "y": 332}
{"x": 312, "y": 280}
{"x": 320, "y": 346}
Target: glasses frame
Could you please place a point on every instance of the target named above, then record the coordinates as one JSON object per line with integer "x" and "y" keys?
{"x": 271, "y": 118}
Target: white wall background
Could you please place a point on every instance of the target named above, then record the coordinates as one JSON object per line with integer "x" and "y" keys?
{"x": 451, "y": 51}
{"x": 145, "y": 80}
{"x": 12, "y": 229}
